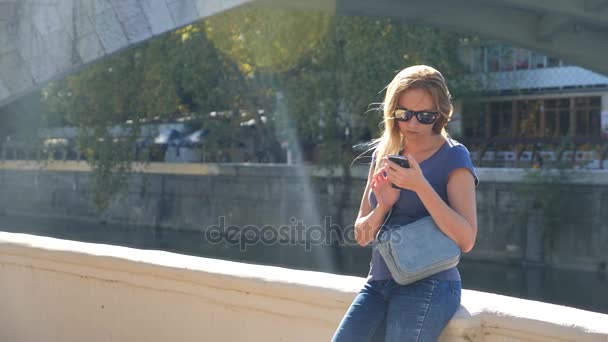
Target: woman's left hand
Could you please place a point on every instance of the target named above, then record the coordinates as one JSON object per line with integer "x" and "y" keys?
{"x": 407, "y": 178}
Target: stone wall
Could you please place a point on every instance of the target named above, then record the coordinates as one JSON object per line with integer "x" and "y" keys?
{"x": 200, "y": 198}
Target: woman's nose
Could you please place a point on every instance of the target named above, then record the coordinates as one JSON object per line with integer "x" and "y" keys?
{"x": 413, "y": 122}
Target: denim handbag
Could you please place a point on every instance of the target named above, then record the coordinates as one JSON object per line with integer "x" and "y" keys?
{"x": 416, "y": 250}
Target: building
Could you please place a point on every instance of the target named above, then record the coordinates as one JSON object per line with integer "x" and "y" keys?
{"x": 532, "y": 108}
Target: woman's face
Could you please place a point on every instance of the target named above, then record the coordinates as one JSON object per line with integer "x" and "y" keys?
{"x": 416, "y": 100}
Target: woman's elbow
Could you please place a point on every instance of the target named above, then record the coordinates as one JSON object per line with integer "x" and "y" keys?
{"x": 360, "y": 236}
{"x": 360, "y": 241}
{"x": 467, "y": 245}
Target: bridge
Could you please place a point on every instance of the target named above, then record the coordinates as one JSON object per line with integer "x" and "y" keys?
{"x": 43, "y": 40}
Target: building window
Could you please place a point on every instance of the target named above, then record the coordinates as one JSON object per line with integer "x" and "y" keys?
{"x": 528, "y": 115}
{"x": 564, "y": 117}
{"x": 542, "y": 118}
{"x": 474, "y": 123}
{"x": 552, "y": 62}
{"x": 557, "y": 118}
{"x": 551, "y": 118}
{"x": 501, "y": 118}
{"x": 506, "y": 58}
{"x": 475, "y": 58}
{"x": 587, "y": 116}
{"x": 538, "y": 60}
{"x": 495, "y": 57}
{"x": 522, "y": 59}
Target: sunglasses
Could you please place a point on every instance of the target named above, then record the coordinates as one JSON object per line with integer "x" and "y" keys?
{"x": 423, "y": 116}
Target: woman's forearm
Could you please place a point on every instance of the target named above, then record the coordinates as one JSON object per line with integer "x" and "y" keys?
{"x": 367, "y": 227}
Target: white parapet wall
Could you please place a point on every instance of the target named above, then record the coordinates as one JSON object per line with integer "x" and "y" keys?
{"x": 60, "y": 290}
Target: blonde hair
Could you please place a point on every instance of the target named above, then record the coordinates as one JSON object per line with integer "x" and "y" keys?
{"x": 414, "y": 77}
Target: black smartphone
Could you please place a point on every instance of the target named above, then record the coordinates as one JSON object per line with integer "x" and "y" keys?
{"x": 399, "y": 160}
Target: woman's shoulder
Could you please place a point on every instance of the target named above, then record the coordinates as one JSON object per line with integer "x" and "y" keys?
{"x": 455, "y": 144}
{"x": 459, "y": 157}
{"x": 456, "y": 149}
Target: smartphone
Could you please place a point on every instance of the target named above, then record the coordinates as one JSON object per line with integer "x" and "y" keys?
{"x": 401, "y": 161}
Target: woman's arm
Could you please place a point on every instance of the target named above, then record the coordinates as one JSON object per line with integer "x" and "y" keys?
{"x": 458, "y": 220}
{"x": 369, "y": 220}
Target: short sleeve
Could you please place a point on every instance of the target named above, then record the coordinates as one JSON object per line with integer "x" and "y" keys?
{"x": 371, "y": 197}
{"x": 459, "y": 157}
{"x": 373, "y": 156}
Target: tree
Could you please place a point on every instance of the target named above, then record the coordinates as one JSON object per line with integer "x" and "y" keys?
{"x": 266, "y": 44}
{"x": 312, "y": 75}
{"x": 122, "y": 91}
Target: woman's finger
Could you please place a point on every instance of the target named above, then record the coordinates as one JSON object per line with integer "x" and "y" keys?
{"x": 413, "y": 162}
{"x": 379, "y": 172}
{"x": 392, "y": 176}
{"x": 391, "y": 173}
{"x": 380, "y": 175}
{"x": 390, "y": 164}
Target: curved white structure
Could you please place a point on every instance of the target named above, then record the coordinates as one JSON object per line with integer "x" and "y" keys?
{"x": 43, "y": 39}
{"x": 59, "y": 290}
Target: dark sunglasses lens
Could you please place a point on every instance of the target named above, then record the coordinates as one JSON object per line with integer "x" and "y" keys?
{"x": 402, "y": 114}
{"x": 426, "y": 117}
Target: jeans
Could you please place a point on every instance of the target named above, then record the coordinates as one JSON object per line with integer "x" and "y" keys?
{"x": 387, "y": 311}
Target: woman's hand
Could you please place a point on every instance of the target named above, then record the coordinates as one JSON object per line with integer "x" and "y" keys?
{"x": 406, "y": 178}
{"x": 385, "y": 194}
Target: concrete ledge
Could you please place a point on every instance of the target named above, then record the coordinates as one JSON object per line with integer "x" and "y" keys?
{"x": 497, "y": 175}
{"x": 59, "y": 290}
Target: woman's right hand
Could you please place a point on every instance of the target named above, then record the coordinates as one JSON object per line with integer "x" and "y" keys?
{"x": 385, "y": 194}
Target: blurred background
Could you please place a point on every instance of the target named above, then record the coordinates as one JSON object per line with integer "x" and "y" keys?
{"x": 240, "y": 130}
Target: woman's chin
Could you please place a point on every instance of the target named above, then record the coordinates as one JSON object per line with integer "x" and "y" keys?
{"x": 412, "y": 135}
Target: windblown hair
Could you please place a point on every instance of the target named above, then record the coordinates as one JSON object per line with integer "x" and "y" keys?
{"x": 414, "y": 77}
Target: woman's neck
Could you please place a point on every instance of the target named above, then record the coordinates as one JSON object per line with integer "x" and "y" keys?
{"x": 431, "y": 144}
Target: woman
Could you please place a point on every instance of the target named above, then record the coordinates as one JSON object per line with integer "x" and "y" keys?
{"x": 441, "y": 183}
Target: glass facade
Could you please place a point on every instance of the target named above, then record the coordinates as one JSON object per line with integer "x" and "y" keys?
{"x": 496, "y": 57}
{"x": 539, "y": 118}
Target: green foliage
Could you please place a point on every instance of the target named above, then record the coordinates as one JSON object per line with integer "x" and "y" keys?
{"x": 330, "y": 92}
{"x": 266, "y": 39}
{"x": 122, "y": 91}
{"x": 111, "y": 161}
{"x": 312, "y": 75}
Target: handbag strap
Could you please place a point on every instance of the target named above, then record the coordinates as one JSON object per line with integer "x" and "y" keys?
{"x": 383, "y": 223}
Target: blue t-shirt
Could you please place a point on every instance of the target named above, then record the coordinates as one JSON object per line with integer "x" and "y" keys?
{"x": 408, "y": 208}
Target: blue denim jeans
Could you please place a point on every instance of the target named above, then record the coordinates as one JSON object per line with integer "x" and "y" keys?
{"x": 387, "y": 311}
